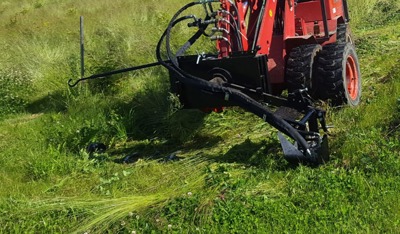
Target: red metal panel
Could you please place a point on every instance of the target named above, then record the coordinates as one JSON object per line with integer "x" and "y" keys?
{"x": 243, "y": 7}
{"x": 276, "y": 60}
{"x": 265, "y": 37}
{"x": 311, "y": 11}
{"x": 255, "y": 8}
{"x": 289, "y": 21}
{"x": 334, "y": 8}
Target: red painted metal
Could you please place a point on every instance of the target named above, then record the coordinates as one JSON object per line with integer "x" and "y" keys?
{"x": 243, "y": 7}
{"x": 352, "y": 78}
{"x": 265, "y": 37}
{"x": 311, "y": 11}
{"x": 285, "y": 24}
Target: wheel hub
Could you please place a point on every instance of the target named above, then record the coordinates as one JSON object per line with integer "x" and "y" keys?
{"x": 352, "y": 78}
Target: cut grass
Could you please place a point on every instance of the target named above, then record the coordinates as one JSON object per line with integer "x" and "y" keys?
{"x": 231, "y": 176}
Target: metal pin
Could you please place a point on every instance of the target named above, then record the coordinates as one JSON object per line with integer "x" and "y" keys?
{"x": 82, "y": 48}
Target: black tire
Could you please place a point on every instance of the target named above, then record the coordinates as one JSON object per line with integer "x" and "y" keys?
{"x": 338, "y": 74}
{"x": 300, "y": 68}
{"x": 343, "y": 34}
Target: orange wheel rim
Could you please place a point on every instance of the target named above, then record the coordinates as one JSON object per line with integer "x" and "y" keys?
{"x": 352, "y": 78}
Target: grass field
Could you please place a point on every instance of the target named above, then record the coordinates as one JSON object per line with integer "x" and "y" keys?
{"x": 231, "y": 178}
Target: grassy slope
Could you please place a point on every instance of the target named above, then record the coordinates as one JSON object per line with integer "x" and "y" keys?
{"x": 233, "y": 177}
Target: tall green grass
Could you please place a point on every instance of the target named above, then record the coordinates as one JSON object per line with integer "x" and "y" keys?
{"x": 372, "y": 13}
{"x": 231, "y": 177}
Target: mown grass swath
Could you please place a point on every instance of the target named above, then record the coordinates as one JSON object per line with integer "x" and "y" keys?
{"x": 230, "y": 177}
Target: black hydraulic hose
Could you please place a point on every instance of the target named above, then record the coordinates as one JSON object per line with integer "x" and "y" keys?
{"x": 228, "y": 93}
{"x": 346, "y": 11}
{"x": 168, "y": 33}
{"x": 211, "y": 8}
{"x": 237, "y": 29}
{"x": 237, "y": 24}
{"x": 158, "y": 47}
{"x": 171, "y": 25}
{"x": 259, "y": 20}
{"x": 325, "y": 19}
{"x": 192, "y": 40}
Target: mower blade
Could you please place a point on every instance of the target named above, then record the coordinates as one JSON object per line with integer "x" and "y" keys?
{"x": 323, "y": 151}
{"x": 291, "y": 153}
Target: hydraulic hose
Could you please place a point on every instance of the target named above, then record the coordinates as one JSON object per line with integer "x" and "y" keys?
{"x": 237, "y": 23}
{"x": 236, "y": 96}
{"x": 258, "y": 25}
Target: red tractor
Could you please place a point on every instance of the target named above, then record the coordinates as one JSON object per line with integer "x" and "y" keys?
{"x": 263, "y": 48}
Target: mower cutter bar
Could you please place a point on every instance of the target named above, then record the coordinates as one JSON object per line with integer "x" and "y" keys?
{"x": 309, "y": 148}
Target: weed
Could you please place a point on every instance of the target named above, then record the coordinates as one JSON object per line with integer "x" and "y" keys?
{"x": 107, "y": 52}
{"x": 231, "y": 176}
{"x": 14, "y": 90}
{"x": 38, "y": 4}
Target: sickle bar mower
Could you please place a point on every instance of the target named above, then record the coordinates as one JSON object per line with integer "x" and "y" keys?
{"x": 264, "y": 47}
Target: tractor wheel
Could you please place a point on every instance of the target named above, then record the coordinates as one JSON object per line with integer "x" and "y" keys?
{"x": 300, "y": 68}
{"x": 338, "y": 74}
{"x": 343, "y": 34}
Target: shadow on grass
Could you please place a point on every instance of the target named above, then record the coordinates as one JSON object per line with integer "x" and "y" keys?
{"x": 166, "y": 150}
{"x": 259, "y": 154}
{"x": 155, "y": 127}
{"x": 53, "y": 102}
{"x": 152, "y": 115}
{"x": 150, "y": 118}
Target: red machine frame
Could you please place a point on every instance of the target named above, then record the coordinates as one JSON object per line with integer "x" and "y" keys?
{"x": 303, "y": 22}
